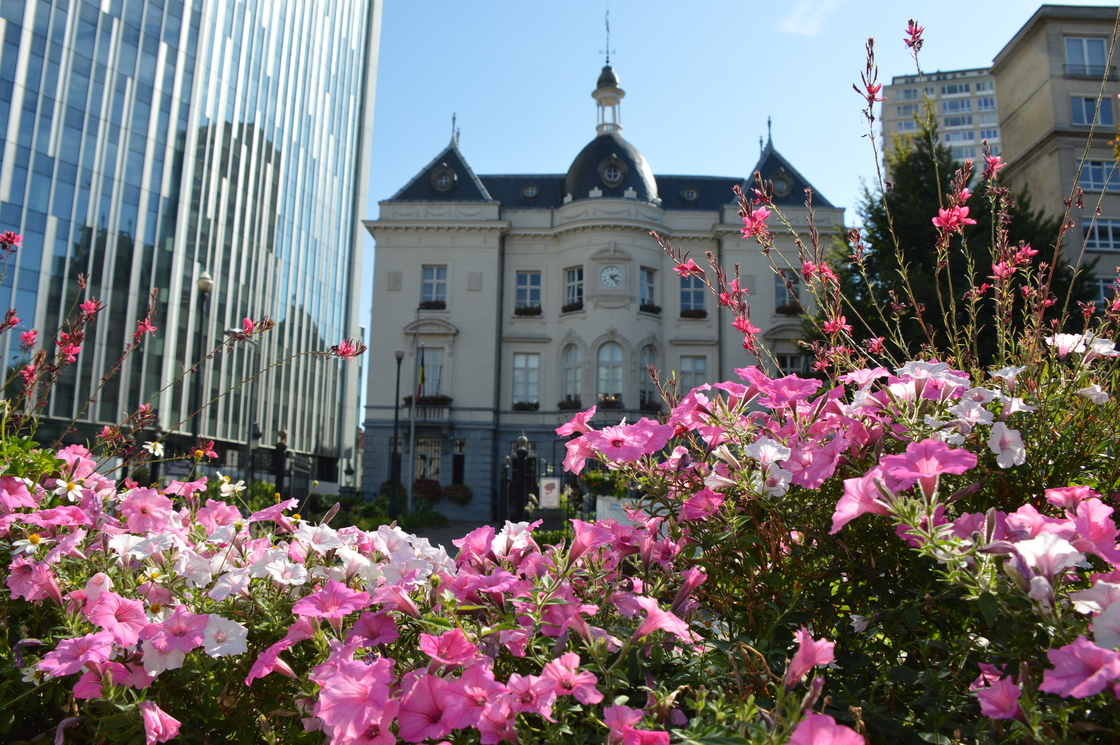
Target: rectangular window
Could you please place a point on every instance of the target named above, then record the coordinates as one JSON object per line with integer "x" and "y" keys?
{"x": 1107, "y": 289}
{"x": 426, "y": 462}
{"x": 431, "y": 372}
{"x": 958, "y": 121}
{"x": 1099, "y": 175}
{"x": 960, "y": 136}
{"x": 433, "y": 284}
{"x": 791, "y": 364}
{"x": 989, "y": 134}
{"x": 573, "y": 286}
{"x": 1085, "y": 57}
{"x": 907, "y": 110}
{"x": 528, "y": 289}
{"x": 645, "y": 286}
{"x": 956, "y": 107}
{"x": 694, "y": 370}
{"x": 692, "y": 293}
{"x": 1101, "y": 235}
{"x": 1084, "y": 110}
{"x": 987, "y": 103}
{"x": 526, "y": 378}
{"x": 787, "y": 298}
{"x": 908, "y": 94}
{"x": 458, "y": 461}
{"x": 956, "y": 89}
{"x": 907, "y": 125}
{"x": 930, "y": 90}
{"x": 983, "y": 119}
{"x": 960, "y": 153}
{"x": 985, "y": 85}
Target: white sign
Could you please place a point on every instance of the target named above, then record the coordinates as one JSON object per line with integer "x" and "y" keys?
{"x": 606, "y": 507}
{"x": 549, "y": 493}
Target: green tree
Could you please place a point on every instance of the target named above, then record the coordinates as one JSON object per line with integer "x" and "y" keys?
{"x": 900, "y": 281}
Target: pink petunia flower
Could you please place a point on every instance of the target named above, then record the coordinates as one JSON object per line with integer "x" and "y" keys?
{"x": 701, "y": 504}
{"x": 622, "y": 443}
{"x": 450, "y": 648}
{"x": 72, "y": 654}
{"x": 821, "y": 729}
{"x": 374, "y": 629}
{"x": 618, "y": 717}
{"x": 1000, "y": 700}
{"x": 182, "y": 631}
{"x": 659, "y": 619}
{"x": 146, "y": 510}
{"x": 530, "y": 693}
{"x": 421, "y": 714}
{"x": 122, "y": 617}
{"x": 566, "y": 679}
{"x": 578, "y": 424}
{"x": 159, "y": 726}
{"x": 332, "y": 601}
{"x": 923, "y": 463}
{"x": 470, "y": 697}
{"x": 861, "y": 495}
{"x": 352, "y": 693}
{"x": 1081, "y": 669}
{"x": 810, "y": 653}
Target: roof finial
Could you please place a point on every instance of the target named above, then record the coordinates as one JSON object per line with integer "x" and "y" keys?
{"x": 761, "y": 147}
{"x": 454, "y": 131}
{"x": 608, "y": 47}
{"x": 769, "y": 137}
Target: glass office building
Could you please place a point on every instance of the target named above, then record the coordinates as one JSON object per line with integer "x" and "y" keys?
{"x": 146, "y": 141}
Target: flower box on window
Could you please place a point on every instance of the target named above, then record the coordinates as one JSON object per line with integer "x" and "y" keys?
{"x": 572, "y": 307}
{"x": 654, "y": 406}
{"x": 650, "y": 308}
{"x": 433, "y": 305}
{"x": 569, "y": 404}
{"x": 526, "y": 405}
{"x": 694, "y": 313}
{"x": 789, "y": 309}
{"x": 527, "y": 310}
{"x": 610, "y": 402}
{"x": 436, "y": 400}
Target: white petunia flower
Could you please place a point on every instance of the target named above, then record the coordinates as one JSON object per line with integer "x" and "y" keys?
{"x": 156, "y": 661}
{"x": 224, "y": 637}
{"x": 859, "y": 623}
{"x": 318, "y": 538}
{"x": 766, "y": 451}
{"x": 1095, "y": 393}
{"x": 195, "y": 568}
{"x": 230, "y": 583}
{"x": 1007, "y": 445}
{"x": 286, "y": 572}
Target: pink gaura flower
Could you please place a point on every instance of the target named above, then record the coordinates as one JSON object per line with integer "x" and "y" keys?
{"x": 810, "y": 653}
{"x": 347, "y": 350}
{"x": 755, "y": 223}
{"x": 1081, "y": 669}
{"x": 954, "y": 218}
{"x": 159, "y": 726}
{"x": 72, "y": 654}
{"x": 146, "y": 510}
{"x": 450, "y": 648}
{"x": 564, "y": 675}
{"x": 122, "y": 617}
{"x": 182, "y": 631}
{"x": 688, "y": 268}
{"x": 923, "y": 463}
{"x": 577, "y": 424}
{"x": 821, "y": 729}
{"x": 144, "y": 326}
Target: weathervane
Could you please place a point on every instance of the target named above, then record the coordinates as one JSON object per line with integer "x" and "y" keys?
{"x": 608, "y": 52}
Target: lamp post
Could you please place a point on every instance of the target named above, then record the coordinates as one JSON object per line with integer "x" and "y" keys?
{"x": 254, "y": 427}
{"x": 205, "y": 284}
{"x": 395, "y": 457}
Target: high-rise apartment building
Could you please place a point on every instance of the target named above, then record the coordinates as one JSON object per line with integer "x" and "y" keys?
{"x": 963, "y": 106}
{"x": 148, "y": 141}
{"x": 1058, "y": 126}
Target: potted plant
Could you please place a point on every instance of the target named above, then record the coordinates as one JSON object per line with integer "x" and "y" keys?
{"x": 650, "y": 308}
{"x": 572, "y": 307}
{"x": 526, "y": 405}
{"x": 459, "y": 494}
{"x": 433, "y": 305}
{"x": 527, "y": 310}
{"x": 610, "y": 402}
{"x": 694, "y": 313}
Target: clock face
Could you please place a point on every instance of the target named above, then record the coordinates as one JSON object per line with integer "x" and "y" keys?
{"x": 611, "y": 276}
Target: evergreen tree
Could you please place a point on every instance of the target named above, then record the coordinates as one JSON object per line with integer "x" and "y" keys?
{"x": 921, "y": 173}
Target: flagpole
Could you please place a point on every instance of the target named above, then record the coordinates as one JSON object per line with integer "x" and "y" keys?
{"x": 412, "y": 418}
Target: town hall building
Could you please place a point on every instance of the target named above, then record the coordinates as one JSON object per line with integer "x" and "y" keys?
{"x": 529, "y": 298}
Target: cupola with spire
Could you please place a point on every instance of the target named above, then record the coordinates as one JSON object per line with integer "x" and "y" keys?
{"x": 608, "y": 95}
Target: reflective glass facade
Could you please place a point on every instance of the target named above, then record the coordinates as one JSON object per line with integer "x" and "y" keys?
{"x": 148, "y": 140}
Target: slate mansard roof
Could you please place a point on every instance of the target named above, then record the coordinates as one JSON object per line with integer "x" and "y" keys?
{"x": 449, "y": 178}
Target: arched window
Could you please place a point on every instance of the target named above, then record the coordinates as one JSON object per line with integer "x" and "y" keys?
{"x": 647, "y": 391}
{"x": 610, "y": 372}
{"x": 573, "y": 373}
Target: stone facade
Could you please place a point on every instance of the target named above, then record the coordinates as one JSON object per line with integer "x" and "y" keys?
{"x": 555, "y": 296}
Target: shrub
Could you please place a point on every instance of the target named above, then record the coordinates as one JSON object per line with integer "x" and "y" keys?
{"x": 459, "y": 494}
{"x": 572, "y": 307}
{"x": 569, "y": 404}
{"x": 527, "y": 310}
{"x": 433, "y": 305}
{"x": 426, "y": 491}
{"x": 694, "y": 313}
{"x": 650, "y": 308}
{"x": 526, "y": 405}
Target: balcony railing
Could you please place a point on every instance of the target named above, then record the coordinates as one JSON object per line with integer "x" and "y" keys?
{"x": 426, "y": 412}
{"x": 1089, "y": 71}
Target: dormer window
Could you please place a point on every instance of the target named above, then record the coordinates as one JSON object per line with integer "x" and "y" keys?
{"x": 530, "y": 191}
{"x": 612, "y": 171}
{"x": 444, "y": 178}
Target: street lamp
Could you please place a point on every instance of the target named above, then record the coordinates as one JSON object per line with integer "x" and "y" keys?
{"x": 254, "y": 428}
{"x": 395, "y": 462}
{"x": 205, "y": 284}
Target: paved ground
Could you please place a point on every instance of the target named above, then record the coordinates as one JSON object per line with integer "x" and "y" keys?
{"x": 443, "y": 535}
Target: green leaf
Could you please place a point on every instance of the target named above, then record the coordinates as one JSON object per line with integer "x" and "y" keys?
{"x": 989, "y": 608}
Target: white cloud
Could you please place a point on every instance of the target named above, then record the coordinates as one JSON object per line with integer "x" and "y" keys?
{"x": 807, "y": 17}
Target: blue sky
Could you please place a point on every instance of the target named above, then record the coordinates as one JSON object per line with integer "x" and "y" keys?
{"x": 701, "y": 79}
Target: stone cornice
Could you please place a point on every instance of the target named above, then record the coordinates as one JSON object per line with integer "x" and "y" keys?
{"x": 477, "y": 226}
